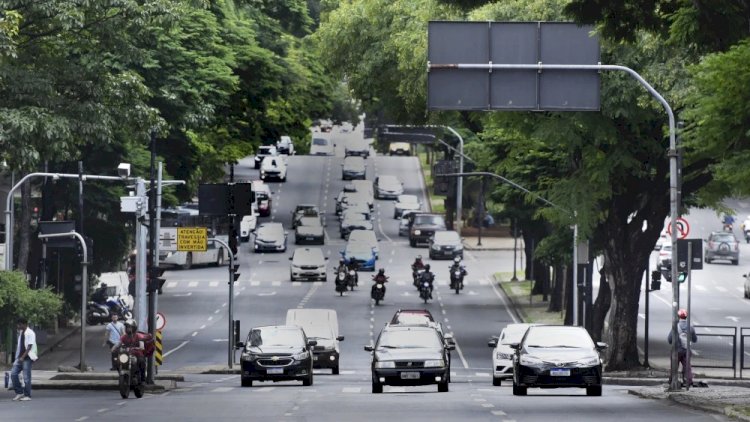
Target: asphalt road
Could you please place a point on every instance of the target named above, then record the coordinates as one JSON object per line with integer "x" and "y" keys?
{"x": 195, "y": 303}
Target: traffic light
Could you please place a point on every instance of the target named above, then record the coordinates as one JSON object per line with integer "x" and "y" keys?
{"x": 233, "y": 242}
{"x": 235, "y": 274}
{"x": 89, "y": 248}
{"x": 682, "y": 276}
{"x": 655, "y": 280}
{"x": 155, "y": 280}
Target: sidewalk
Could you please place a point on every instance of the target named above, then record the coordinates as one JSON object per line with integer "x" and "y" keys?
{"x": 730, "y": 401}
{"x": 53, "y": 380}
{"x": 492, "y": 244}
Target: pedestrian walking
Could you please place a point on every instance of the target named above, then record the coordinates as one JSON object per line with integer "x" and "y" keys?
{"x": 112, "y": 333}
{"x": 682, "y": 345}
{"x": 26, "y": 354}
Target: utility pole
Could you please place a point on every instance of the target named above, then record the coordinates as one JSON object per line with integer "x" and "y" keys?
{"x": 152, "y": 257}
{"x": 480, "y": 210}
{"x": 515, "y": 247}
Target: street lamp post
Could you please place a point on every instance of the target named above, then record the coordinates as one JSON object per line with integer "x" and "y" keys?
{"x": 515, "y": 248}
{"x": 231, "y": 300}
{"x": 84, "y": 288}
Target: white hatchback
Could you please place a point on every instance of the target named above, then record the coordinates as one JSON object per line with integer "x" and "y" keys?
{"x": 502, "y": 354}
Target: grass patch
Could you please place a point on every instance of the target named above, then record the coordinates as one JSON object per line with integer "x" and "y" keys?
{"x": 531, "y": 308}
{"x": 436, "y": 201}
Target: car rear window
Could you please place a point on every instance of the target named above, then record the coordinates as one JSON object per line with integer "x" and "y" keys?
{"x": 319, "y": 141}
{"x": 433, "y": 220}
{"x": 265, "y": 150}
{"x": 724, "y": 238}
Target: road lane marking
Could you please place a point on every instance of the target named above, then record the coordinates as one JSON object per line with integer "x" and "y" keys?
{"x": 193, "y": 284}
{"x": 488, "y": 405}
{"x": 176, "y": 348}
{"x": 351, "y": 389}
{"x": 505, "y": 304}
{"x": 276, "y": 283}
{"x": 213, "y": 284}
{"x": 222, "y": 389}
{"x": 217, "y": 311}
{"x": 195, "y": 333}
{"x": 721, "y": 289}
{"x": 170, "y": 285}
{"x": 498, "y": 413}
{"x": 265, "y": 389}
{"x": 82, "y": 418}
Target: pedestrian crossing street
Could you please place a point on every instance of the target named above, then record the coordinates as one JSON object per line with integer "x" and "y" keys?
{"x": 201, "y": 284}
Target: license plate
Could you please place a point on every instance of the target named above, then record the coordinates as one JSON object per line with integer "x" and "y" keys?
{"x": 275, "y": 371}
{"x": 559, "y": 372}
{"x": 315, "y": 357}
{"x": 410, "y": 375}
{"x": 309, "y": 238}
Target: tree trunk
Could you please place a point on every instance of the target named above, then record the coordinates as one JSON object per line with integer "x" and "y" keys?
{"x": 568, "y": 294}
{"x": 558, "y": 280}
{"x": 541, "y": 278}
{"x": 24, "y": 228}
{"x": 601, "y": 306}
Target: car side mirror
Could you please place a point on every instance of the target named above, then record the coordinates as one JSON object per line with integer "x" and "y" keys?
{"x": 515, "y": 346}
{"x": 492, "y": 343}
{"x": 450, "y": 346}
{"x": 326, "y": 258}
{"x": 369, "y": 348}
{"x": 340, "y": 338}
{"x": 290, "y": 258}
{"x": 601, "y": 346}
{"x": 311, "y": 343}
{"x": 240, "y": 345}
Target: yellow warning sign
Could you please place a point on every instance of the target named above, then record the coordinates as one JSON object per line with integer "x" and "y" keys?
{"x": 193, "y": 239}
{"x": 158, "y": 360}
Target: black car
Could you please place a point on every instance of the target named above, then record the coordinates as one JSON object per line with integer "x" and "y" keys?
{"x": 423, "y": 226}
{"x": 410, "y": 355}
{"x": 277, "y": 353}
{"x": 554, "y": 356}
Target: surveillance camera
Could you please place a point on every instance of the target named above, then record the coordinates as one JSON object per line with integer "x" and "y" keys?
{"x": 123, "y": 170}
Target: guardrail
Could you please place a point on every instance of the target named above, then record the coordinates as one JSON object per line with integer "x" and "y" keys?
{"x": 744, "y": 348}
{"x": 716, "y": 348}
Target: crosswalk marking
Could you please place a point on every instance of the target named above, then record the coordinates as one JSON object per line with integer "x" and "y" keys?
{"x": 699, "y": 287}
{"x": 213, "y": 283}
{"x": 351, "y": 389}
{"x": 193, "y": 284}
{"x": 296, "y": 283}
{"x": 276, "y": 283}
{"x": 255, "y": 283}
{"x": 171, "y": 284}
{"x": 222, "y": 389}
{"x": 741, "y": 290}
{"x": 721, "y": 289}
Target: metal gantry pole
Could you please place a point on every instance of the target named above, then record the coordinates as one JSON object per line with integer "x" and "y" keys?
{"x": 141, "y": 239}
{"x": 575, "y": 270}
{"x": 689, "y": 310}
{"x": 460, "y": 182}
{"x": 230, "y": 346}
{"x": 645, "y": 324}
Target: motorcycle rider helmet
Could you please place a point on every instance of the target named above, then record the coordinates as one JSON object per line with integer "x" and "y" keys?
{"x": 456, "y": 259}
{"x": 381, "y": 271}
{"x": 419, "y": 257}
{"x": 131, "y": 326}
{"x": 427, "y": 267}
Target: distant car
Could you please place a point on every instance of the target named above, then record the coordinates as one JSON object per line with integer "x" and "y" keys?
{"x": 326, "y": 126}
{"x": 247, "y": 226}
{"x": 357, "y": 147}
{"x": 285, "y": 145}
{"x": 354, "y": 168}
{"x": 554, "y": 356}
{"x": 367, "y": 237}
{"x": 304, "y": 210}
{"x": 270, "y": 237}
{"x": 263, "y": 198}
{"x": 276, "y": 353}
{"x": 365, "y": 189}
{"x": 410, "y": 355}
{"x": 399, "y": 148}
{"x": 387, "y": 187}
{"x": 362, "y": 253}
{"x": 321, "y": 146}
{"x": 403, "y": 224}
{"x": 307, "y": 264}
{"x": 406, "y": 203}
{"x": 309, "y": 230}
{"x": 502, "y": 354}
{"x": 446, "y": 244}
{"x": 355, "y": 222}
{"x": 356, "y": 198}
{"x": 423, "y": 226}
{"x": 354, "y": 209}
{"x": 661, "y": 241}
{"x": 418, "y": 317}
{"x": 273, "y": 168}
{"x": 664, "y": 259}
{"x": 722, "y": 245}
{"x": 263, "y": 152}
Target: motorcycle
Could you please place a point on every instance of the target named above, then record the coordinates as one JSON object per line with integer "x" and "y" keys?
{"x": 98, "y": 313}
{"x": 417, "y": 275}
{"x": 117, "y": 305}
{"x": 352, "y": 279}
{"x": 457, "y": 279}
{"x": 425, "y": 291}
{"x": 728, "y": 227}
{"x": 341, "y": 282}
{"x": 130, "y": 376}
{"x": 377, "y": 293}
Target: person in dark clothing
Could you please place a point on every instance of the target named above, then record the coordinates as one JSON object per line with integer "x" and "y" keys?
{"x": 682, "y": 345}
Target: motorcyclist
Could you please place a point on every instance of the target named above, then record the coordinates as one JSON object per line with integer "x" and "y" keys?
{"x": 728, "y": 221}
{"x": 100, "y": 295}
{"x": 342, "y": 266}
{"x": 418, "y": 264}
{"x": 458, "y": 266}
{"x": 141, "y": 344}
{"x": 380, "y": 277}
{"x": 428, "y": 277}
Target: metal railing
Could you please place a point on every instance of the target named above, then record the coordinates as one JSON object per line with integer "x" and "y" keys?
{"x": 744, "y": 348}
{"x": 716, "y": 348}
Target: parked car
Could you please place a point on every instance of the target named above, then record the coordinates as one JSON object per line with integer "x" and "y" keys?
{"x": 399, "y": 148}
{"x": 270, "y": 237}
{"x": 309, "y": 230}
{"x": 276, "y": 353}
{"x": 554, "y": 356}
{"x": 321, "y": 146}
{"x": 308, "y": 264}
{"x": 321, "y": 325}
{"x": 423, "y": 226}
{"x": 263, "y": 198}
{"x": 285, "y": 145}
{"x": 367, "y": 237}
{"x": 247, "y": 226}
{"x": 273, "y": 168}
{"x": 363, "y": 254}
{"x": 357, "y": 147}
{"x": 263, "y": 152}
{"x": 353, "y": 168}
{"x": 722, "y": 246}
{"x": 388, "y": 187}
{"x": 409, "y": 355}
{"x": 446, "y": 244}
{"x": 354, "y": 222}
{"x": 502, "y": 354}
{"x": 406, "y": 203}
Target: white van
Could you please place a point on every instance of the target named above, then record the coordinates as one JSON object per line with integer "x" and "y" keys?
{"x": 321, "y": 325}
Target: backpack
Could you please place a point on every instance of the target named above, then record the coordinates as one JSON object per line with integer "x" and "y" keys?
{"x": 683, "y": 339}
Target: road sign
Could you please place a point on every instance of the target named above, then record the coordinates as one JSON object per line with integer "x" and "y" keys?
{"x": 161, "y": 321}
{"x": 168, "y": 239}
{"x": 192, "y": 239}
{"x": 158, "y": 349}
{"x": 682, "y": 254}
{"x": 683, "y": 228}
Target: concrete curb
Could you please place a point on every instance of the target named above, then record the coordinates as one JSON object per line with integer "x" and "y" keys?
{"x": 692, "y": 403}
{"x": 106, "y": 376}
{"x": 96, "y": 385}
{"x": 513, "y": 305}
{"x": 482, "y": 248}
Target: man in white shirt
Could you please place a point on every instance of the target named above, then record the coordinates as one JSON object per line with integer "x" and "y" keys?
{"x": 26, "y": 354}
{"x": 112, "y": 334}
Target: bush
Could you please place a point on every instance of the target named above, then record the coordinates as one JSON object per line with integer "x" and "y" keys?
{"x": 17, "y": 299}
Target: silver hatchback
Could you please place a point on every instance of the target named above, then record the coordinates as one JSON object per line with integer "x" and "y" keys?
{"x": 722, "y": 246}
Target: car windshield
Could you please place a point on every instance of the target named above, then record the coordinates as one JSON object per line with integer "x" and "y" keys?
{"x": 358, "y": 248}
{"x": 432, "y": 220}
{"x": 312, "y": 256}
{"x": 409, "y": 339}
{"x": 269, "y": 231}
{"x": 275, "y": 336}
{"x": 558, "y": 337}
{"x": 319, "y": 141}
{"x": 449, "y": 237}
{"x": 513, "y": 334}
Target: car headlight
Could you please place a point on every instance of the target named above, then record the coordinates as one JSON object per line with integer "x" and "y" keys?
{"x": 589, "y": 361}
{"x": 296, "y": 267}
{"x": 527, "y": 360}
{"x": 249, "y": 356}
{"x": 503, "y": 356}
{"x": 388, "y": 364}
{"x": 434, "y": 363}
{"x": 123, "y": 358}
{"x": 417, "y": 232}
{"x": 435, "y": 246}
{"x": 459, "y": 247}
{"x": 302, "y": 356}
